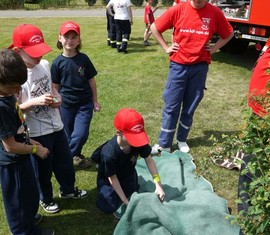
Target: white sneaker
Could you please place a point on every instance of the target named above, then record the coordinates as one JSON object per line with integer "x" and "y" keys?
{"x": 183, "y": 147}
{"x": 157, "y": 149}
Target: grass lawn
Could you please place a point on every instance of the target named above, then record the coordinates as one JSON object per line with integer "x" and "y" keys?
{"x": 136, "y": 80}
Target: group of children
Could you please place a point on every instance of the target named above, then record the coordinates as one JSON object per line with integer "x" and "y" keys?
{"x": 46, "y": 114}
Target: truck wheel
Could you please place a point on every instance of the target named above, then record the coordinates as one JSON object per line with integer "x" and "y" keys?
{"x": 236, "y": 46}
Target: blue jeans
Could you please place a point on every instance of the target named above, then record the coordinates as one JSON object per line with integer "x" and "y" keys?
{"x": 59, "y": 162}
{"x": 20, "y": 196}
{"x": 183, "y": 92}
{"x": 77, "y": 124}
{"x": 107, "y": 199}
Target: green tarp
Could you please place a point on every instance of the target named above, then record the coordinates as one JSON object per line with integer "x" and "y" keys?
{"x": 190, "y": 208}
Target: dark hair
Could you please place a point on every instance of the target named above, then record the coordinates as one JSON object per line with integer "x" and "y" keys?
{"x": 60, "y": 46}
{"x": 12, "y": 68}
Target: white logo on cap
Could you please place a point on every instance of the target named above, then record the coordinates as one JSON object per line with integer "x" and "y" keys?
{"x": 70, "y": 25}
{"x": 36, "y": 39}
{"x": 137, "y": 128}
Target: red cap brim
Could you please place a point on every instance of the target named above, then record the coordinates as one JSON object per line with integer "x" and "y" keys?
{"x": 136, "y": 140}
{"x": 37, "y": 50}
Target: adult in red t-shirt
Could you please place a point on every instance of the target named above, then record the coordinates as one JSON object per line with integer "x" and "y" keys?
{"x": 259, "y": 82}
{"x": 194, "y": 24}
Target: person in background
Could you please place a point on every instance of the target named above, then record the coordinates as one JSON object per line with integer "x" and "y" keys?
{"x": 123, "y": 20}
{"x": 117, "y": 177}
{"x": 194, "y": 24}
{"x": 111, "y": 39}
{"x": 17, "y": 178}
{"x": 73, "y": 75}
{"x": 40, "y": 105}
{"x": 148, "y": 20}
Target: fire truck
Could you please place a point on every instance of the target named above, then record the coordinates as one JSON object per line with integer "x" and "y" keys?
{"x": 250, "y": 20}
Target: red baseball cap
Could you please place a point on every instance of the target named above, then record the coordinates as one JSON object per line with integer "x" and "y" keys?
{"x": 131, "y": 123}
{"x": 30, "y": 39}
{"x": 69, "y": 26}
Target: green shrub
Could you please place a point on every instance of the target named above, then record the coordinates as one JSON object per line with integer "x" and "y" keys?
{"x": 91, "y": 2}
{"x": 11, "y": 4}
{"x": 167, "y": 3}
{"x": 54, "y": 3}
{"x": 154, "y": 3}
{"x": 254, "y": 139}
{"x": 137, "y": 3}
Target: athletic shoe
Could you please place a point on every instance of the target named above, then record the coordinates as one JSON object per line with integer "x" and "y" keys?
{"x": 116, "y": 215}
{"x": 50, "y": 207}
{"x": 47, "y": 231}
{"x": 38, "y": 218}
{"x": 77, "y": 194}
{"x": 146, "y": 43}
{"x": 157, "y": 149}
{"x": 183, "y": 147}
{"x": 81, "y": 161}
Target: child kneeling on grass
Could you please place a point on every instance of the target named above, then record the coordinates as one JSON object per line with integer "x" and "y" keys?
{"x": 117, "y": 177}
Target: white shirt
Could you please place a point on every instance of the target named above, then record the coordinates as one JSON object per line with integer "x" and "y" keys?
{"x": 41, "y": 120}
{"x": 121, "y": 9}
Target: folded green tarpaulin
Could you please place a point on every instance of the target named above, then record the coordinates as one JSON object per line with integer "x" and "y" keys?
{"x": 190, "y": 208}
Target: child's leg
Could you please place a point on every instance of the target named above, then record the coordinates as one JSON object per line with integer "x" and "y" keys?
{"x": 20, "y": 196}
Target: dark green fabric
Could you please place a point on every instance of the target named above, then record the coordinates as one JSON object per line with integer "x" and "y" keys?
{"x": 190, "y": 208}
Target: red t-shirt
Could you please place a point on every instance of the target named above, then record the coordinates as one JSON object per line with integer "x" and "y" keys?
{"x": 258, "y": 82}
{"x": 148, "y": 11}
{"x": 193, "y": 28}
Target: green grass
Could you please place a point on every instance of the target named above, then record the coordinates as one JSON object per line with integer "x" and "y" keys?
{"x": 136, "y": 80}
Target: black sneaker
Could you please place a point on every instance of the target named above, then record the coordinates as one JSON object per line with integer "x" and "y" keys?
{"x": 81, "y": 161}
{"x": 77, "y": 194}
{"x": 38, "y": 218}
{"x": 47, "y": 231}
{"x": 50, "y": 207}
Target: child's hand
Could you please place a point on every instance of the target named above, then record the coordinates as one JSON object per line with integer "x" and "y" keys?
{"x": 56, "y": 101}
{"x": 97, "y": 106}
{"x": 43, "y": 100}
{"x": 159, "y": 191}
{"x": 42, "y": 152}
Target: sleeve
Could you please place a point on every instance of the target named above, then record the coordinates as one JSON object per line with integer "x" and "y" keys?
{"x": 9, "y": 129}
{"x": 224, "y": 28}
{"x": 166, "y": 20}
{"x": 145, "y": 151}
{"x": 91, "y": 71}
{"x": 109, "y": 160}
{"x": 55, "y": 73}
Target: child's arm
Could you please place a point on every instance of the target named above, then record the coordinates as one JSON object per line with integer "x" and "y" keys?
{"x": 130, "y": 15}
{"x": 93, "y": 86}
{"x": 118, "y": 189}
{"x": 12, "y": 146}
{"x": 153, "y": 170}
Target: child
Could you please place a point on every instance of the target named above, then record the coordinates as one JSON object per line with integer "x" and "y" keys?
{"x": 117, "y": 177}
{"x": 122, "y": 13}
{"x": 73, "y": 75}
{"x": 17, "y": 179}
{"x": 148, "y": 20}
{"x": 40, "y": 102}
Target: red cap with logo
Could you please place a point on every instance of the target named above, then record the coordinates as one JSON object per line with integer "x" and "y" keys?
{"x": 69, "y": 26}
{"x": 30, "y": 39}
{"x": 131, "y": 123}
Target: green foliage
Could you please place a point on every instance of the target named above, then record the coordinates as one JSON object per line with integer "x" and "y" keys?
{"x": 137, "y": 3}
{"x": 11, "y": 4}
{"x": 154, "y": 3}
{"x": 54, "y": 3}
{"x": 254, "y": 139}
{"x": 167, "y": 3}
{"x": 91, "y": 2}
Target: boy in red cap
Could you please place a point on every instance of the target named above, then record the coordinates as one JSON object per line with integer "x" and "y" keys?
{"x": 40, "y": 104}
{"x": 73, "y": 75}
{"x": 117, "y": 177}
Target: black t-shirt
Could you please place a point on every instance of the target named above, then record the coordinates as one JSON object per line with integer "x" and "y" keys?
{"x": 115, "y": 162}
{"x": 10, "y": 123}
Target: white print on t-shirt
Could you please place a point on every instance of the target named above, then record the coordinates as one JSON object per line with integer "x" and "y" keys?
{"x": 206, "y": 23}
{"x": 193, "y": 31}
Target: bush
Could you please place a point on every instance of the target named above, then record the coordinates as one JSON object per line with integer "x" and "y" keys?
{"x": 11, "y": 4}
{"x": 254, "y": 140}
{"x": 137, "y": 3}
{"x": 91, "y": 2}
{"x": 167, "y": 3}
{"x": 54, "y": 3}
{"x": 154, "y": 3}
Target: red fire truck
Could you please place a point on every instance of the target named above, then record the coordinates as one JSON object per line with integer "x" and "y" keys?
{"x": 250, "y": 20}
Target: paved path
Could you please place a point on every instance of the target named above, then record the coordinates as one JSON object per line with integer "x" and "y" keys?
{"x": 64, "y": 13}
